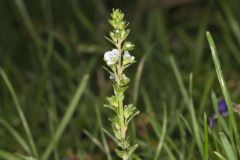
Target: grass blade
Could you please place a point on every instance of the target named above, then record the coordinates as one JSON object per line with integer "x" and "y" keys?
{"x": 16, "y": 135}
{"x": 228, "y": 148}
{"x": 206, "y": 136}
{"x": 188, "y": 101}
{"x": 223, "y": 87}
{"x": 163, "y": 134}
{"x": 95, "y": 140}
{"x": 8, "y": 156}
{"x": 20, "y": 113}
{"x": 104, "y": 140}
{"x": 27, "y": 20}
{"x": 219, "y": 156}
{"x": 137, "y": 79}
{"x": 67, "y": 117}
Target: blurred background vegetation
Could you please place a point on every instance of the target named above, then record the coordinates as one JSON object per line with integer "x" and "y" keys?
{"x": 47, "y": 46}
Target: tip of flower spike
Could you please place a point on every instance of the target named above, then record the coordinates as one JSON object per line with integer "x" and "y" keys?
{"x": 116, "y": 20}
{"x": 117, "y": 11}
{"x": 117, "y": 14}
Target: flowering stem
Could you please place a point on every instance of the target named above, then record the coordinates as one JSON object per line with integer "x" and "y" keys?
{"x": 118, "y": 60}
{"x": 120, "y": 99}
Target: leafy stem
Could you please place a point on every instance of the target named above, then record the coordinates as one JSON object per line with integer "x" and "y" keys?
{"x": 118, "y": 60}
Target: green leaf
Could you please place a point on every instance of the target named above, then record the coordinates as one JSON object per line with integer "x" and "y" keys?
{"x": 66, "y": 118}
{"x": 124, "y": 80}
{"x": 132, "y": 116}
{"x": 132, "y": 149}
{"x": 113, "y": 36}
{"x": 26, "y": 157}
{"x": 16, "y": 135}
{"x": 116, "y": 122}
{"x": 130, "y": 111}
{"x": 117, "y": 135}
{"x": 113, "y": 101}
{"x": 126, "y": 34}
{"x": 219, "y": 155}
{"x": 119, "y": 90}
{"x": 205, "y": 137}
{"x": 20, "y": 113}
{"x": 224, "y": 88}
{"x": 227, "y": 147}
{"x": 120, "y": 153}
{"x": 111, "y": 107}
{"x": 8, "y": 156}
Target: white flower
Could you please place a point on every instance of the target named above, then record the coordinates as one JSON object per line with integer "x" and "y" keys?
{"x": 112, "y": 77}
{"x": 127, "y": 58}
{"x": 111, "y": 57}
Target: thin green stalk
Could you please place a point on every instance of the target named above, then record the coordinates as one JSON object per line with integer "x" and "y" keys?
{"x": 99, "y": 119}
{"x": 227, "y": 147}
{"x": 163, "y": 134}
{"x": 66, "y": 119}
{"x": 16, "y": 135}
{"x": 159, "y": 131}
{"x": 206, "y": 137}
{"x": 20, "y": 113}
{"x": 8, "y": 156}
{"x": 188, "y": 101}
{"x": 224, "y": 88}
{"x": 219, "y": 156}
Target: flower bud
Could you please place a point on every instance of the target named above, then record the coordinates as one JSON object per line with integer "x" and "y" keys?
{"x": 128, "y": 46}
{"x": 127, "y": 58}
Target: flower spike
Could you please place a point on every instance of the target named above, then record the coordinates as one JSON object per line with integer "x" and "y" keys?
{"x": 118, "y": 59}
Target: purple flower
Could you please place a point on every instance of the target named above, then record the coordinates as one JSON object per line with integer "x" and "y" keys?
{"x": 222, "y": 109}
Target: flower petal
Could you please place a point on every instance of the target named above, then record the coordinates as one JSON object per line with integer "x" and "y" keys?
{"x": 222, "y": 106}
{"x": 211, "y": 122}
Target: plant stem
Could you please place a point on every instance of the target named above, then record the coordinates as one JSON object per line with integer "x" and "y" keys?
{"x": 120, "y": 104}
{"x": 118, "y": 63}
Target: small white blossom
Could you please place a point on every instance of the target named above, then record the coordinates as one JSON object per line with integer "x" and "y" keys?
{"x": 127, "y": 56}
{"x": 111, "y": 57}
{"x": 111, "y": 77}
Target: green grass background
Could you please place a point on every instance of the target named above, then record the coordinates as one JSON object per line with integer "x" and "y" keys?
{"x": 53, "y": 86}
